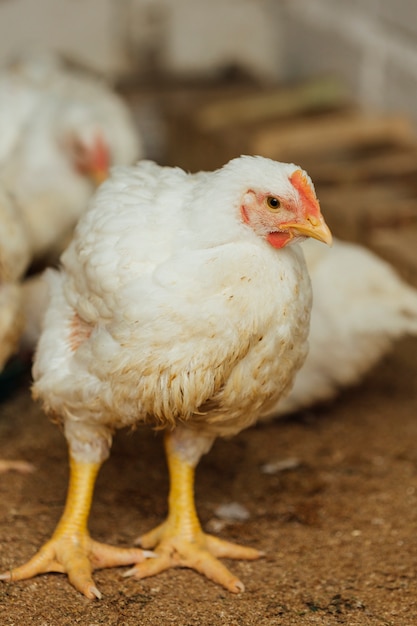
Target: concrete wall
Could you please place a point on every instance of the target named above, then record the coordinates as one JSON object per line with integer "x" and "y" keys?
{"x": 87, "y": 30}
{"x": 116, "y": 37}
{"x": 189, "y": 37}
{"x": 372, "y": 44}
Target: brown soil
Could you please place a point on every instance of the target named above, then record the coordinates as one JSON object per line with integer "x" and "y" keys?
{"x": 339, "y": 528}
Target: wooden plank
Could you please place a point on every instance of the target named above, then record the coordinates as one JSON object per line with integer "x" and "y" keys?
{"x": 335, "y": 132}
{"x": 398, "y": 247}
{"x": 389, "y": 164}
{"x": 271, "y": 104}
{"x": 354, "y": 210}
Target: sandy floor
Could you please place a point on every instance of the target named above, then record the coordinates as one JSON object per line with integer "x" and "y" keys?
{"x": 339, "y": 528}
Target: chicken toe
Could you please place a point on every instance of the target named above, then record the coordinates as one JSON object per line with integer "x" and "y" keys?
{"x": 71, "y": 549}
{"x": 180, "y": 541}
{"x": 7, "y": 465}
{"x": 179, "y": 546}
{"x": 76, "y": 555}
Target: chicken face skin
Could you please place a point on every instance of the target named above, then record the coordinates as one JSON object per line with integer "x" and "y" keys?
{"x": 90, "y": 156}
{"x": 281, "y": 219}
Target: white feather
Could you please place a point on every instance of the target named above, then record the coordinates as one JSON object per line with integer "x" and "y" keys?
{"x": 14, "y": 259}
{"x": 360, "y": 307}
{"x": 169, "y": 309}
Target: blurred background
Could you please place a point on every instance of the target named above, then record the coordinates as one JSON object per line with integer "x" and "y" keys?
{"x": 371, "y": 44}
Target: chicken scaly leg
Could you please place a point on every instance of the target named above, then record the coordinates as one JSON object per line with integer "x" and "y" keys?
{"x": 71, "y": 549}
{"x": 180, "y": 541}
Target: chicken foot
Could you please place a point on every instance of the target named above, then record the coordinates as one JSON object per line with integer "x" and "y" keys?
{"x": 71, "y": 549}
{"x": 180, "y": 540}
{"x": 8, "y": 465}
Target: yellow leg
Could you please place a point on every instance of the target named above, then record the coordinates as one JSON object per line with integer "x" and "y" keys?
{"x": 71, "y": 549}
{"x": 180, "y": 541}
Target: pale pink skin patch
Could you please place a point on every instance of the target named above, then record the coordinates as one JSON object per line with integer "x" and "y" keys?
{"x": 279, "y": 239}
{"x": 79, "y": 332}
{"x": 95, "y": 158}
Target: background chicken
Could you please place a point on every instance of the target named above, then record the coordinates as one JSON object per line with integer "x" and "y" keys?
{"x": 65, "y": 129}
{"x": 360, "y": 307}
{"x": 14, "y": 258}
{"x": 179, "y": 305}
{"x": 60, "y": 131}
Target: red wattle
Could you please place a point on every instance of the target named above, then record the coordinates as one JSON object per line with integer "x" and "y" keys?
{"x": 278, "y": 240}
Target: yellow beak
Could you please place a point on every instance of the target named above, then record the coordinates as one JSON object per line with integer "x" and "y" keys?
{"x": 313, "y": 226}
{"x": 98, "y": 176}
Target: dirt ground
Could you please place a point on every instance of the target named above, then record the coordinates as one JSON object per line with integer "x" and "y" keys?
{"x": 339, "y": 527}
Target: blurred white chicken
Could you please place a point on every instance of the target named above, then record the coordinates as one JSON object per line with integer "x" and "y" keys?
{"x": 14, "y": 258}
{"x": 60, "y": 131}
{"x": 181, "y": 305}
{"x": 360, "y": 307}
{"x": 65, "y": 129}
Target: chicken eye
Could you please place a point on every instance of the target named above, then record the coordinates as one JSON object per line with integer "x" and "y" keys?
{"x": 273, "y": 203}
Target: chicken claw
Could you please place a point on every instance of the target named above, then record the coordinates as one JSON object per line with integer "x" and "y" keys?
{"x": 77, "y": 555}
{"x": 183, "y": 547}
{"x": 180, "y": 541}
{"x": 71, "y": 549}
{"x": 18, "y": 466}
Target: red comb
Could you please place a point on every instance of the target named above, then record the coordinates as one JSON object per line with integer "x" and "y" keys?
{"x": 305, "y": 189}
{"x": 101, "y": 154}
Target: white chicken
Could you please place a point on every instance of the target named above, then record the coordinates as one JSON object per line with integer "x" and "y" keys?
{"x": 65, "y": 129}
{"x": 14, "y": 258}
{"x": 34, "y": 304}
{"x": 360, "y": 307}
{"x": 180, "y": 305}
{"x": 18, "y": 101}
